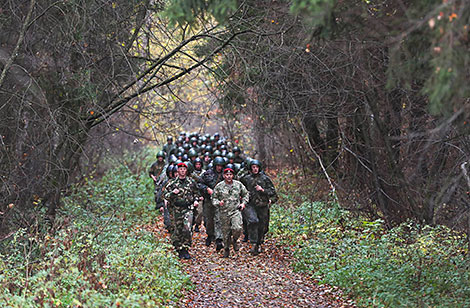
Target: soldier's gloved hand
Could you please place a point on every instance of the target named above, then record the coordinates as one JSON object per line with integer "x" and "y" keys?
{"x": 209, "y": 191}
{"x": 221, "y": 203}
{"x": 196, "y": 204}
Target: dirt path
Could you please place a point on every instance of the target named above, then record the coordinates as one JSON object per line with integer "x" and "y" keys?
{"x": 243, "y": 280}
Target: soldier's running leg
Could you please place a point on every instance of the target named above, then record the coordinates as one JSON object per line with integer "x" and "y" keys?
{"x": 167, "y": 219}
{"x": 197, "y": 217}
{"x": 263, "y": 226}
{"x": 245, "y": 227}
{"x": 187, "y": 233}
{"x": 218, "y": 230}
{"x": 209, "y": 213}
{"x": 226, "y": 232}
{"x": 237, "y": 229}
{"x": 252, "y": 226}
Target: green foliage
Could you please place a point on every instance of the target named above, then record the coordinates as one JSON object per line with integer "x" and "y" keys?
{"x": 317, "y": 13}
{"x": 102, "y": 255}
{"x": 408, "y": 266}
{"x": 184, "y": 12}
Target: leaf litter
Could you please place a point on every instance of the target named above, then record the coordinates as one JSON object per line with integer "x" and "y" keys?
{"x": 243, "y": 280}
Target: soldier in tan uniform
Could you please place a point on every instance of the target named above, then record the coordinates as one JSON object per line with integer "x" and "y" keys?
{"x": 230, "y": 196}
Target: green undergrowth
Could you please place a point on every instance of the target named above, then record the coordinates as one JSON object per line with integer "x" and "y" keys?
{"x": 408, "y": 266}
{"x": 99, "y": 254}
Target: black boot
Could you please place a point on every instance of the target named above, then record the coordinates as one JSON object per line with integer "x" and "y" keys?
{"x": 255, "y": 250}
{"x": 196, "y": 229}
{"x": 208, "y": 241}
{"x": 245, "y": 238}
{"x": 218, "y": 245}
{"x": 226, "y": 252}
{"x": 235, "y": 245}
{"x": 180, "y": 253}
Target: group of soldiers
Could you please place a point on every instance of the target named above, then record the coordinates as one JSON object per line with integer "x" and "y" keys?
{"x": 203, "y": 178}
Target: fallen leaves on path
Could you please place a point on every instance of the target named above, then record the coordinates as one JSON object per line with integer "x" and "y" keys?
{"x": 243, "y": 280}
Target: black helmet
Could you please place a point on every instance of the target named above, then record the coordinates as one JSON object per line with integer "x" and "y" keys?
{"x": 173, "y": 159}
{"x": 231, "y": 166}
{"x": 190, "y": 166}
{"x": 255, "y": 162}
{"x": 216, "y": 153}
{"x": 197, "y": 160}
{"x": 186, "y": 147}
{"x": 192, "y": 153}
{"x": 230, "y": 155}
{"x": 161, "y": 154}
{"x": 236, "y": 149}
{"x": 169, "y": 138}
{"x": 169, "y": 169}
{"x": 185, "y": 157}
{"x": 236, "y": 168}
{"x": 208, "y": 148}
{"x": 216, "y": 135}
{"x": 218, "y": 161}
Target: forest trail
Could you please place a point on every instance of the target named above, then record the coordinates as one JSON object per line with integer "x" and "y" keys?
{"x": 243, "y": 280}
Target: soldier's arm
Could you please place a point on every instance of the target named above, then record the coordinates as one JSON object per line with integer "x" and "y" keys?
{"x": 216, "y": 197}
{"x": 152, "y": 171}
{"x": 203, "y": 184}
{"x": 167, "y": 191}
{"x": 244, "y": 194}
{"x": 270, "y": 190}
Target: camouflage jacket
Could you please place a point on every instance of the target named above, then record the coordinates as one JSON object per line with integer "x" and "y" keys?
{"x": 209, "y": 179}
{"x": 156, "y": 168}
{"x": 196, "y": 175}
{"x": 260, "y": 198}
{"x": 188, "y": 192}
{"x": 232, "y": 195}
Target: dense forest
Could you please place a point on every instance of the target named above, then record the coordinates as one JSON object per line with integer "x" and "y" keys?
{"x": 369, "y": 99}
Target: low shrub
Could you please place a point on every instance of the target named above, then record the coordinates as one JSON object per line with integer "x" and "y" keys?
{"x": 408, "y": 266}
{"x": 100, "y": 254}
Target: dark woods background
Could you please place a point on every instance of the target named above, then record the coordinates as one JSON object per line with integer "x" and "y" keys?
{"x": 376, "y": 92}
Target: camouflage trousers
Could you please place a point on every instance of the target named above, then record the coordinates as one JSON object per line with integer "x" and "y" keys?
{"x": 197, "y": 214}
{"x": 212, "y": 220}
{"x": 182, "y": 222}
{"x": 232, "y": 226}
{"x": 257, "y": 219}
{"x": 166, "y": 213}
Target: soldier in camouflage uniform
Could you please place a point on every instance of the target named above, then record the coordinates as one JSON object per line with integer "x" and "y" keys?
{"x": 230, "y": 196}
{"x": 182, "y": 195}
{"x": 196, "y": 175}
{"x": 210, "y": 178}
{"x": 170, "y": 174}
{"x": 262, "y": 195}
{"x": 156, "y": 172}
